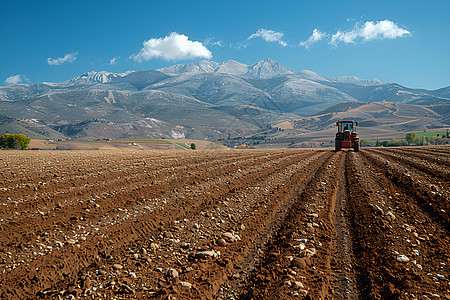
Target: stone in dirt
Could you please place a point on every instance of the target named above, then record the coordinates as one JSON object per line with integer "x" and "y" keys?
{"x": 309, "y": 252}
{"x": 402, "y": 258}
{"x": 298, "y": 285}
{"x": 303, "y": 293}
{"x": 231, "y": 237}
{"x": 172, "y": 273}
{"x": 186, "y": 284}
{"x": 71, "y": 241}
{"x": 299, "y": 263}
{"x": 206, "y": 254}
{"x": 117, "y": 266}
{"x": 221, "y": 242}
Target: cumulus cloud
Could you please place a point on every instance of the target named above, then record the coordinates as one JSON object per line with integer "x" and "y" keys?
{"x": 70, "y": 57}
{"x": 172, "y": 47}
{"x": 269, "y": 36}
{"x": 16, "y": 79}
{"x": 370, "y": 31}
{"x": 316, "y": 36}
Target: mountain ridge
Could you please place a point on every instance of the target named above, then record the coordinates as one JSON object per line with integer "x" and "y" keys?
{"x": 205, "y": 99}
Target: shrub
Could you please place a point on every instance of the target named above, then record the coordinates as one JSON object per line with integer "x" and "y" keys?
{"x": 193, "y": 146}
{"x": 365, "y": 143}
{"x": 14, "y": 141}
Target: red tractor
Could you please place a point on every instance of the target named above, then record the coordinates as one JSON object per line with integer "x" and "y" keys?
{"x": 346, "y": 137}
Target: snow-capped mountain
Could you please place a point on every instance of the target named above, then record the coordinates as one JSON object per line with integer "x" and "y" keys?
{"x": 205, "y": 99}
{"x": 95, "y": 77}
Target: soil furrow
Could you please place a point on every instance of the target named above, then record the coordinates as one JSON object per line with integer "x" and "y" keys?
{"x": 298, "y": 259}
{"x": 431, "y": 169}
{"x": 432, "y": 197}
{"x": 386, "y": 230}
{"x": 427, "y": 156}
{"x": 253, "y": 224}
{"x": 203, "y": 199}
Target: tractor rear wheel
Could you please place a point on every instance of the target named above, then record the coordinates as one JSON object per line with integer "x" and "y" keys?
{"x": 337, "y": 145}
{"x": 356, "y": 147}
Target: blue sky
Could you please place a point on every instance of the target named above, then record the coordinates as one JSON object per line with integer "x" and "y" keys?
{"x": 407, "y": 42}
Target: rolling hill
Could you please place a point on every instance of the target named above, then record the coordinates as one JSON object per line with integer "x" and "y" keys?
{"x": 209, "y": 100}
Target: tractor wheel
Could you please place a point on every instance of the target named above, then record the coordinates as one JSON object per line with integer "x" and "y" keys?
{"x": 337, "y": 145}
{"x": 356, "y": 147}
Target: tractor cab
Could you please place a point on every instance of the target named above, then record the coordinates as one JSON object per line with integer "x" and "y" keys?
{"x": 347, "y": 125}
{"x": 346, "y": 137}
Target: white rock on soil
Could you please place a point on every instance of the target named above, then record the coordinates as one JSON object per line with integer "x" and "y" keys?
{"x": 301, "y": 246}
{"x": 206, "y": 254}
{"x": 186, "y": 284}
{"x": 402, "y": 258}
{"x": 298, "y": 285}
{"x": 172, "y": 273}
{"x": 310, "y": 252}
{"x": 231, "y": 237}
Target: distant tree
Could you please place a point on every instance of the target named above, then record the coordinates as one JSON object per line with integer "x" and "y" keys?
{"x": 411, "y": 138}
{"x": 365, "y": 143}
{"x": 193, "y": 146}
{"x": 14, "y": 141}
{"x": 397, "y": 142}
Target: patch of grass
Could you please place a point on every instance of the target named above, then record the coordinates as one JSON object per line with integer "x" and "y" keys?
{"x": 183, "y": 145}
{"x": 429, "y": 134}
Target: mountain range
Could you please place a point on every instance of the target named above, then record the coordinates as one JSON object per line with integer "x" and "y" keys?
{"x": 203, "y": 100}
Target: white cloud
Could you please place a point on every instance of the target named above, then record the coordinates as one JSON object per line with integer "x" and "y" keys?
{"x": 172, "y": 47}
{"x": 370, "y": 31}
{"x": 16, "y": 79}
{"x": 70, "y": 57}
{"x": 269, "y": 36}
{"x": 210, "y": 41}
{"x": 113, "y": 61}
{"x": 316, "y": 36}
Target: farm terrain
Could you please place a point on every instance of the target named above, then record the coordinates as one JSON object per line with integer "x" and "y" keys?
{"x": 225, "y": 224}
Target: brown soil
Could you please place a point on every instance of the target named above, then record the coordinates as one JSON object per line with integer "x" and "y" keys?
{"x": 298, "y": 224}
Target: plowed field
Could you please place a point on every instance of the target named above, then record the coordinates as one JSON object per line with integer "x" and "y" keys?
{"x": 280, "y": 224}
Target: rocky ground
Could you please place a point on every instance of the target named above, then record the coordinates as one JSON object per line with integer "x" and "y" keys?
{"x": 251, "y": 224}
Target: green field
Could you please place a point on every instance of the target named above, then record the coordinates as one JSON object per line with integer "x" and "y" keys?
{"x": 430, "y": 134}
{"x": 183, "y": 145}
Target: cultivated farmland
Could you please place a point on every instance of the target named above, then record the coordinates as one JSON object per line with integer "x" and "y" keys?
{"x": 225, "y": 224}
